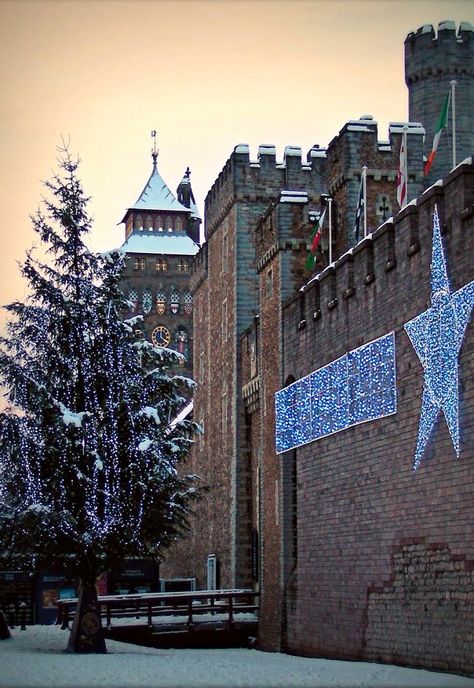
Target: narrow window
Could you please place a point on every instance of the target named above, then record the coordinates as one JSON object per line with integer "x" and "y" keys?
{"x": 225, "y": 253}
{"x": 224, "y": 319}
{"x": 224, "y": 415}
{"x": 269, "y": 284}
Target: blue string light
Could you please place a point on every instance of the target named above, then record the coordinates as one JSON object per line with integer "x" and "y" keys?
{"x": 356, "y": 388}
{"x": 436, "y": 336}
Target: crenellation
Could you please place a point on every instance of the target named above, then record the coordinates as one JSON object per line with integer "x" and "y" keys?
{"x": 243, "y": 179}
{"x": 432, "y": 62}
{"x": 397, "y": 239}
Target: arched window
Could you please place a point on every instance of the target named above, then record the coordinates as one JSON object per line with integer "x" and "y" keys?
{"x": 158, "y": 223}
{"x": 187, "y": 303}
{"x": 133, "y": 300}
{"x": 178, "y": 224}
{"x": 139, "y": 222}
{"x": 174, "y": 300}
{"x": 169, "y": 223}
{"x": 160, "y": 301}
{"x": 147, "y": 301}
{"x": 149, "y": 223}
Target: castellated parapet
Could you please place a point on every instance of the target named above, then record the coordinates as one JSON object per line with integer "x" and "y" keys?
{"x": 261, "y": 180}
{"x": 386, "y": 561}
{"x": 383, "y": 257}
{"x": 357, "y": 145}
{"x": 432, "y": 61}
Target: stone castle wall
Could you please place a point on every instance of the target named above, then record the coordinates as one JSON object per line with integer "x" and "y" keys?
{"x": 385, "y": 554}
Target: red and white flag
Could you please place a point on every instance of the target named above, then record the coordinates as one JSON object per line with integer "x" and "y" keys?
{"x": 402, "y": 176}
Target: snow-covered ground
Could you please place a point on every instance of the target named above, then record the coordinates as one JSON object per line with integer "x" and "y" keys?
{"x": 35, "y": 659}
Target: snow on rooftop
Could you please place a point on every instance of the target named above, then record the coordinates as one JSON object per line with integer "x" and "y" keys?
{"x": 293, "y": 197}
{"x": 157, "y": 196}
{"x": 292, "y": 150}
{"x": 35, "y": 658}
{"x": 266, "y": 149}
{"x": 365, "y": 119}
{"x": 318, "y": 152}
{"x": 358, "y": 127}
{"x": 169, "y": 244}
{"x": 241, "y": 148}
{"x": 412, "y": 127}
{"x": 447, "y": 25}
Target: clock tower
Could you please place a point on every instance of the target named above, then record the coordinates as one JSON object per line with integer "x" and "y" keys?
{"x": 161, "y": 239}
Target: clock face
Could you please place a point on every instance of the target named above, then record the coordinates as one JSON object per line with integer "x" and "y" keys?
{"x": 160, "y": 336}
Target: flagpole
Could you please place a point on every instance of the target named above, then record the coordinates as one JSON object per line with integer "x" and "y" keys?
{"x": 405, "y": 161}
{"x": 453, "y": 119}
{"x": 364, "y": 177}
{"x": 330, "y": 229}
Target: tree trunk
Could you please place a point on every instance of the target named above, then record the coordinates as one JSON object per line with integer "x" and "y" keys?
{"x": 87, "y": 635}
{"x": 4, "y": 630}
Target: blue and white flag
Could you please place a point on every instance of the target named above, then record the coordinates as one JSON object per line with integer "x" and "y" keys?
{"x": 360, "y": 207}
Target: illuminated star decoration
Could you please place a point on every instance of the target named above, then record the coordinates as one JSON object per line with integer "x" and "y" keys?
{"x": 436, "y": 336}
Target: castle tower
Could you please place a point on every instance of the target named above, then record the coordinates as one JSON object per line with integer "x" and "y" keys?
{"x": 355, "y": 146}
{"x": 157, "y": 275}
{"x": 431, "y": 63}
{"x": 224, "y": 286}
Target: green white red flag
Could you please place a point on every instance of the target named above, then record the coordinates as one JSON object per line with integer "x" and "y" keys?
{"x": 442, "y": 123}
{"x": 315, "y": 239}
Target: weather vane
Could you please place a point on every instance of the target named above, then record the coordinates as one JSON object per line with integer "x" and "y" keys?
{"x": 154, "y": 151}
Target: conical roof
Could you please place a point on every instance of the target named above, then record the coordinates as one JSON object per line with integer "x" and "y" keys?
{"x": 186, "y": 196}
{"x": 156, "y": 196}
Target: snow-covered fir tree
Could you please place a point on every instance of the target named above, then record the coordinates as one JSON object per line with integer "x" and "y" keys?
{"x": 89, "y": 452}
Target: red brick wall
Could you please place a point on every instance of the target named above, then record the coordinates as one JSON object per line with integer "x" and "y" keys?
{"x": 386, "y": 554}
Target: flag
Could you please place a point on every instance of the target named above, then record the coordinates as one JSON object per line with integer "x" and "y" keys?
{"x": 360, "y": 209}
{"x": 442, "y": 122}
{"x": 315, "y": 239}
{"x": 402, "y": 175}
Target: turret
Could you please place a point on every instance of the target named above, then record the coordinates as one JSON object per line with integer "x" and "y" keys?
{"x": 431, "y": 63}
{"x": 185, "y": 196}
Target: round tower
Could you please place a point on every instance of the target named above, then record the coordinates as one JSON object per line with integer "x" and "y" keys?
{"x": 432, "y": 62}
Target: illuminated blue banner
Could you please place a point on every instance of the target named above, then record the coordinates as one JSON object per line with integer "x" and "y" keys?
{"x": 356, "y": 388}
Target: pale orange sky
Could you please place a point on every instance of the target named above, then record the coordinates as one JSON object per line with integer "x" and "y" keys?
{"x": 205, "y": 75}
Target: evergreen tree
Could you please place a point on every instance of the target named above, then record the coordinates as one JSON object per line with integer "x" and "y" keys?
{"x": 89, "y": 454}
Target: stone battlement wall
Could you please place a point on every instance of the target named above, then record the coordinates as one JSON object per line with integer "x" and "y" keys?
{"x": 389, "y": 249}
{"x": 253, "y": 181}
{"x": 356, "y": 145}
{"x": 386, "y": 553}
{"x": 446, "y": 52}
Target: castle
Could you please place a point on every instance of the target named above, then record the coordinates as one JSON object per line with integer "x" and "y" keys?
{"x": 356, "y": 554}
